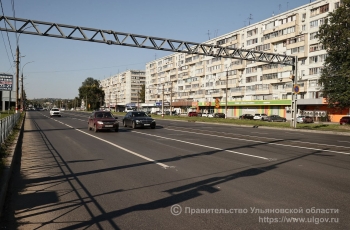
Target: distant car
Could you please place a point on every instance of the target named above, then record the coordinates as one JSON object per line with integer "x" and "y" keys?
{"x": 345, "y": 120}
{"x": 192, "y": 114}
{"x": 246, "y": 116}
{"x": 207, "y": 115}
{"x": 55, "y": 112}
{"x": 300, "y": 119}
{"x": 274, "y": 118}
{"x": 219, "y": 115}
{"x": 260, "y": 116}
{"x": 305, "y": 119}
{"x": 137, "y": 119}
{"x": 308, "y": 119}
{"x": 102, "y": 120}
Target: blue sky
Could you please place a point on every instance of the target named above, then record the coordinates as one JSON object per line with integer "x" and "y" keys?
{"x": 59, "y": 66}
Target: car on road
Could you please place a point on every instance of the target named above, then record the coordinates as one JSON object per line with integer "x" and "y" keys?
{"x": 305, "y": 119}
{"x": 247, "y": 116}
{"x": 55, "y": 112}
{"x": 138, "y": 119}
{"x": 345, "y": 120}
{"x": 219, "y": 115}
{"x": 102, "y": 120}
{"x": 260, "y": 116}
{"x": 192, "y": 114}
{"x": 207, "y": 115}
{"x": 273, "y": 118}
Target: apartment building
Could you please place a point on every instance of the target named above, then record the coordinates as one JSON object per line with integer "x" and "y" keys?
{"x": 196, "y": 82}
{"x": 122, "y": 90}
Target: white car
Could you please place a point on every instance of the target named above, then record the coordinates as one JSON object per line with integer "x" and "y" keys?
{"x": 207, "y": 115}
{"x": 260, "y": 116}
{"x": 55, "y": 112}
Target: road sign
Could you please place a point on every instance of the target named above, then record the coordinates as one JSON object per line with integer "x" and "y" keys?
{"x": 158, "y": 103}
{"x": 6, "y": 82}
{"x": 296, "y": 89}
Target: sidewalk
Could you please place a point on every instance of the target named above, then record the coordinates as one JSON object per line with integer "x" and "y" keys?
{"x": 37, "y": 187}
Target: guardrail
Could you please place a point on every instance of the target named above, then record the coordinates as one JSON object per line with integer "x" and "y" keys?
{"x": 7, "y": 124}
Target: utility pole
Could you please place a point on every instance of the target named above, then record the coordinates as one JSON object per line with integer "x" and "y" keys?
{"x": 226, "y": 94}
{"x": 163, "y": 101}
{"x": 294, "y": 106}
{"x": 17, "y": 76}
{"x": 22, "y": 102}
{"x": 171, "y": 98}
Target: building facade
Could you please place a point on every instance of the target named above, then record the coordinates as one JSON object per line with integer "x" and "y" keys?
{"x": 122, "y": 90}
{"x": 196, "y": 82}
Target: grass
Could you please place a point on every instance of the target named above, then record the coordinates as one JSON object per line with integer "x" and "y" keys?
{"x": 5, "y": 147}
{"x": 4, "y": 114}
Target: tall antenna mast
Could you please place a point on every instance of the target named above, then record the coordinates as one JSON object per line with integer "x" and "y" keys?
{"x": 250, "y": 18}
{"x": 208, "y": 34}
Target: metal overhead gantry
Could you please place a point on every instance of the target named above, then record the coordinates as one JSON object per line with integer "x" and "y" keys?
{"x": 111, "y": 37}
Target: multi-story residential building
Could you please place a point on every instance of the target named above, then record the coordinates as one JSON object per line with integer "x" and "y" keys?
{"x": 198, "y": 82}
{"x": 122, "y": 90}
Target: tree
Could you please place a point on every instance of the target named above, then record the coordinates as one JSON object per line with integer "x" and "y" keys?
{"x": 91, "y": 92}
{"x": 142, "y": 93}
{"x": 335, "y": 76}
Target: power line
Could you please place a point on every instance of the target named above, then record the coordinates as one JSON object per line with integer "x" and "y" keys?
{"x": 2, "y": 9}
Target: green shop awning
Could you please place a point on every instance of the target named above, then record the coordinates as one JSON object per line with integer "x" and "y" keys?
{"x": 249, "y": 103}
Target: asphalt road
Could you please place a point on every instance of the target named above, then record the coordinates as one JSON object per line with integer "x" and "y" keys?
{"x": 181, "y": 175}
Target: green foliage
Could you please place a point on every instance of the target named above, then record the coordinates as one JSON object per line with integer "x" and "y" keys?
{"x": 335, "y": 77}
{"x": 142, "y": 94}
{"x": 92, "y": 92}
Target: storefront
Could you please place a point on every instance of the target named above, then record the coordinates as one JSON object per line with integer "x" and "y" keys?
{"x": 237, "y": 108}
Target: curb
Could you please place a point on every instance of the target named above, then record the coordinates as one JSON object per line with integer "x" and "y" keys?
{"x": 9, "y": 163}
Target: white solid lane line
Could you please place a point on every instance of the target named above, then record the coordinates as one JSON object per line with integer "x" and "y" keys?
{"x": 205, "y": 146}
{"x": 264, "y": 142}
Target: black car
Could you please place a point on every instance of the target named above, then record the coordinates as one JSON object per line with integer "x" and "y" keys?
{"x": 219, "y": 115}
{"x": 274, "y": 118}
{"x": 247, "y": 116}
{"x": 137, "y": 119}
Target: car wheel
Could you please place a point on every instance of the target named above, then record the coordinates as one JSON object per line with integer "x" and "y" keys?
{"x": 95, "y": 129}
{"x": 153, "y": 126}
{"x": 124, "y": 124}
{"x": 134, "y": 125}
{"x": 116, "y": 130}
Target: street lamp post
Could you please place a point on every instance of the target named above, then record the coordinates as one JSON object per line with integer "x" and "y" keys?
{"x": 22, "y": 94}
{"x": 17, "y": 67}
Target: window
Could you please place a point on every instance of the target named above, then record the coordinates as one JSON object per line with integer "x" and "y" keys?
{"x": 252, "y": 41}
{"x": 252, "y": 32}
{"x": 314, "y": 71}
{"x": 251, "y": 79}
{"x": 319, "y": 10}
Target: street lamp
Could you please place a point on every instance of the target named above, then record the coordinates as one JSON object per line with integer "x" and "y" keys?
{"x": 17, "y": 66}
{"x": 22, "y": 94}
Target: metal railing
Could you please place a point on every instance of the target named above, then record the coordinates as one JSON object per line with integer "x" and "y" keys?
{"x": 7, "y": 124}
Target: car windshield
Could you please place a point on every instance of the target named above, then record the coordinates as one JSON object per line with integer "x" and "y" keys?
{"x": 103, "y": 115}
{"x": 139, "y": 114}
{"x": 55, "y": 109}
